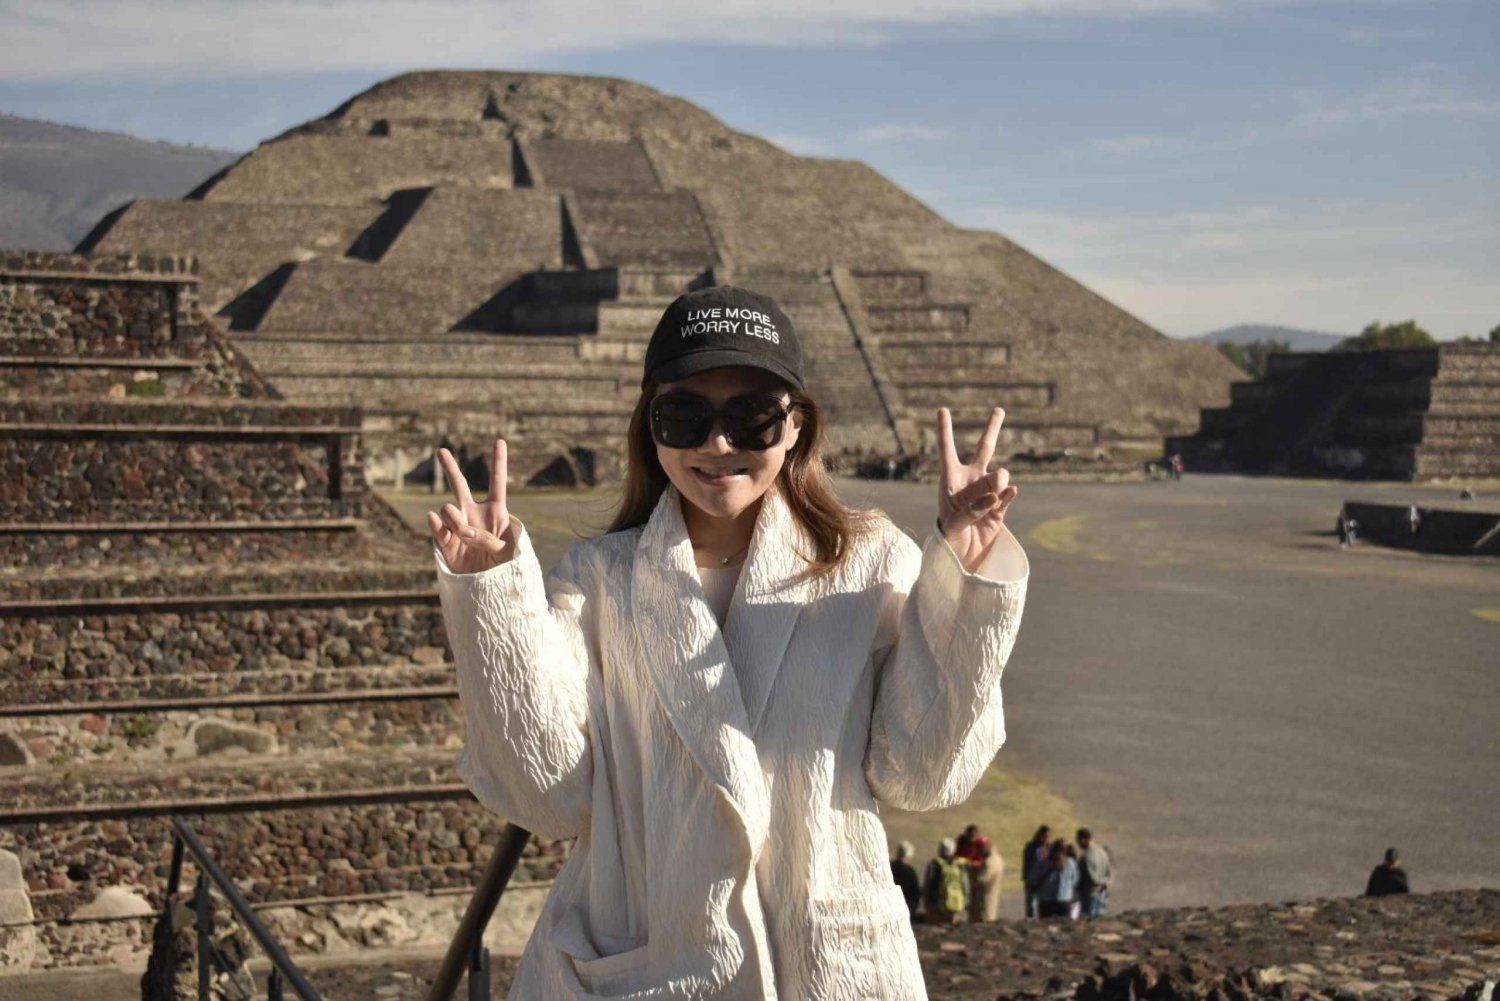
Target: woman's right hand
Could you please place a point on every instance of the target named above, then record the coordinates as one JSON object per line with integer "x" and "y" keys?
{"x": 472, "y": 535}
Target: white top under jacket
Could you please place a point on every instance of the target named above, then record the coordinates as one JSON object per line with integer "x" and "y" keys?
{"x": 728, "y": 850}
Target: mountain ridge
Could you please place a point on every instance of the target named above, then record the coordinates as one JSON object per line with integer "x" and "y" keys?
{"x": 57, "y": 180}
{"x": 1299, "y": 339}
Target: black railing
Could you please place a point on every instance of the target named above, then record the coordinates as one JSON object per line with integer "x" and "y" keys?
{"x": 467, "y": 952}
{"x": 283, "y": 970}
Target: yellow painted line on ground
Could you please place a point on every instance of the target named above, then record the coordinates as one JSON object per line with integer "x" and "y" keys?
{"x": 1060, "y": 535}
{"x": 1488, "y": 614}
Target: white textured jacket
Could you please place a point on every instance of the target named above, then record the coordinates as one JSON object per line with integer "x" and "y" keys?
{"x": 728, "y": 850}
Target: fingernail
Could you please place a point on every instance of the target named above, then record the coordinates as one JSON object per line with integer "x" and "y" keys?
{"x": 469, "y": 533}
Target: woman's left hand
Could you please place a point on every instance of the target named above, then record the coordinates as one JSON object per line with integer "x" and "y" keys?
{"x": 972, "y": 501}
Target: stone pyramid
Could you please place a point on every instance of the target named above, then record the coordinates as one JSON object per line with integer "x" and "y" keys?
{"x": 465, "y": 254}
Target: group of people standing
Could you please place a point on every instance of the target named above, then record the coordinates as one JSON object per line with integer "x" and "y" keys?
{"x": 1066, "y": 880}
{"x": 962, "y": 880}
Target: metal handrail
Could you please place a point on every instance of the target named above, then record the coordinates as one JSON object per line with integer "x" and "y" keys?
{"x": 282, "y": 965}
{"x": 467, "y": 950}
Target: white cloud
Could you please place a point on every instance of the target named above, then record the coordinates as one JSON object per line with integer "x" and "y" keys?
{"x": 75, "y": 40}
{"x": 1413, "y": 96}
{"x": 1332, "y": 266}
{"x": 1447, "y": 301}
{"x": 1138, "y": 146}
{"x": 893, "y": 132}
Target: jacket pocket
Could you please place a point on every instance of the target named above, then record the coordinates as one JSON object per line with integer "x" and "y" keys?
{"x": 863, "y": 947}
{"x": 603, "y": 969}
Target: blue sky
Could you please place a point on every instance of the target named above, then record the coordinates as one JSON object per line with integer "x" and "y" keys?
{"x": 1314, "y": 163}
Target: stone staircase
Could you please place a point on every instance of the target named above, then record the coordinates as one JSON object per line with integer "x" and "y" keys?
{"x": 1406, "y": 414}
{"x": 205, "y": 612}
{"x": 838, "y": 376}
{"x": 926, "y": 353}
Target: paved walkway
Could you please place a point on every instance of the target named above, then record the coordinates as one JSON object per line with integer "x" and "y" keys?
{"x": 1242, "y": 710}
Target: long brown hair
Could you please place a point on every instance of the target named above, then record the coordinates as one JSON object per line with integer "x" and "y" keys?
{"x": 803, "y": 481}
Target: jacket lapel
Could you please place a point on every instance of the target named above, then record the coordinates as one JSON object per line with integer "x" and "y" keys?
{"x": 767, "y": 603}
{"x": 689, "y": 666}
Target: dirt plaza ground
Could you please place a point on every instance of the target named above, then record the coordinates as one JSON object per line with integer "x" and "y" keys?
{"x": 1242, "y": 710}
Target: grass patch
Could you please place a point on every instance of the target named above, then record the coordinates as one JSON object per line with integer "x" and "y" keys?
{"x": 1060, "y": 535}
{"x": 1008, "y": 809}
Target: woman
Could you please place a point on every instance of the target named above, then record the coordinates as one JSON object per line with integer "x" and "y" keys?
{"x": 987, "y": 872}
{"x": 1057, "y": 883}
{"x": 715, "y": 695}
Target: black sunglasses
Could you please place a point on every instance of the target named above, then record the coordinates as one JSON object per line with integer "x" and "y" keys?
{"x": 752, "y": 423}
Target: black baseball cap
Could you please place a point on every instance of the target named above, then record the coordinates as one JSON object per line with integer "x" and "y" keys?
{"x": 723, "y": 325}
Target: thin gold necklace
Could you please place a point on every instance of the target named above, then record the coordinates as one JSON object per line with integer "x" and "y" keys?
{"x": 724, "y": 560}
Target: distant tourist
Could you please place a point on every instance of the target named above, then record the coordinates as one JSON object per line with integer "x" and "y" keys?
{"x": 1176, "y": 465}
{"x": 906, "y": 877}
{"x": 944, "y": 890}
{"x": 1388, "y": 877}
{"x": 986, "y": 871}
{"x": 965, "y": 845}
{"x": 1035, "y": 849}
{"x": 1095, "y": 874}
{"x": 1347, "y": 530}
{"x": 1056, "y": 883}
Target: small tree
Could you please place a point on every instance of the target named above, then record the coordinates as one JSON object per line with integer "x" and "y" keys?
{"x": 1495, "y": 334}
{"x": 1405, "y": 334}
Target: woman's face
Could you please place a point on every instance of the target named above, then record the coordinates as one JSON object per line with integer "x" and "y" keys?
{"x": 720, "y": 480}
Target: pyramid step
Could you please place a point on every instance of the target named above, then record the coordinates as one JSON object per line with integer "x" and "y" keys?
{"x": 905, "y": 317}
{"x": 304, "y": 681}
{"x": 877, "y": 286}
{"x": 326, "y": 824}
{"x": 978, "y": 395}
{"x": 151, "y": 731}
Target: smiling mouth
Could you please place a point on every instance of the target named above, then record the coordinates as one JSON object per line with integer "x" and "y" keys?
{"x": 718, "y": 475}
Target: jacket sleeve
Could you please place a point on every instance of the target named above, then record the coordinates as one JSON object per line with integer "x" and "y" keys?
{"x": 937, "y": 718}
{"x": 522, "y": 649}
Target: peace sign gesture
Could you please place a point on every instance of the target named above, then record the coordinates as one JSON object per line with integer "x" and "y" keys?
{"x": 471, "y": 535}
{"x": 971, "y": 500}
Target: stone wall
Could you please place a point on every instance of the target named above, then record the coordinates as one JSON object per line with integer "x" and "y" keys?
{"x": 86, "y": 318}
{"x": 210, "y": 651}
{"x": 173, "y": 548}
{"x": 274, "y": 730}
{"x": 120, "y": 479}
{"x": 276, "y": 855}
{"x": 151, "y": 737}
{"x": 116, "y": 265}
{"x": 57, "y": 465}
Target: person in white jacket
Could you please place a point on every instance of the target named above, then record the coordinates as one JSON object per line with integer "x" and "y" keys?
{"x": 716, "y": 696}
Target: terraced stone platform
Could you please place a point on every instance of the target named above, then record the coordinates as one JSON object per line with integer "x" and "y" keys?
{"x": 205, "y": 612}
{"x": 1404, "y": 414}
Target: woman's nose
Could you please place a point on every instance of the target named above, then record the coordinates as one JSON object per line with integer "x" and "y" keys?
{"x": 718, "y": 442}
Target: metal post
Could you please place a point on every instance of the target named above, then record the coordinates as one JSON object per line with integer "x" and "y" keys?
{"x": 479, "y": 973}
{"x": 210, "y": 871}
{"x": 174, "y": 877}
{"x": 273, "y": 986}
{"x": 205, "y": 910}
{"x": 481, "y": 907}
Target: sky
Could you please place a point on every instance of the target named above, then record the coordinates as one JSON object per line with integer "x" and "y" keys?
{"x": 1202, "y": 163}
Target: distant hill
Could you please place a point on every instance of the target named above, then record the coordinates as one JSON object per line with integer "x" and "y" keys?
{"x": 57, "y": 180}
{"x": 1300, "y": 340}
